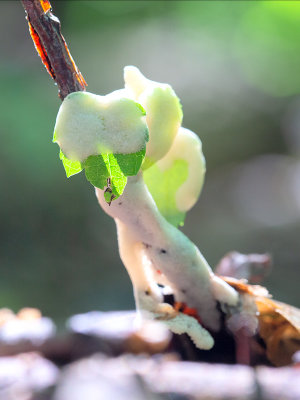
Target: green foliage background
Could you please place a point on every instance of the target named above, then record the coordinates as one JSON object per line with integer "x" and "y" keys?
{"x": 235, "y": 66}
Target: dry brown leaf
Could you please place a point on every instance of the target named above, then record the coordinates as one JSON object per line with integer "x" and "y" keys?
{"x": 241, "y": 285}
{"x": 279, "y": 326}
{"x": 279, "y": 323}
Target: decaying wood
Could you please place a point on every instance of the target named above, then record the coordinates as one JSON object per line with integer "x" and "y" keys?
{"x": 110, "y": 333}
{"x": 92, "y": 360}
{"x": 29, "y": 376}
{"x": 45, "y": 30}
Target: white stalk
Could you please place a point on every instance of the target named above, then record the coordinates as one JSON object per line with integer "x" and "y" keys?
{"x": 149, "y": 239}
{"x": 152, "y": 249}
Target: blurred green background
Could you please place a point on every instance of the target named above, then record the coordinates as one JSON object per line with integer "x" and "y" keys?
{"x": 236, "y": 68}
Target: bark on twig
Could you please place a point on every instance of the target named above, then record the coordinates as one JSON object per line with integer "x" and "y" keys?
{"x": 46, "y": 34}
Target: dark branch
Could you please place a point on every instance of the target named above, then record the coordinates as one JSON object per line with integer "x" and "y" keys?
{"x": 45, "y": 31}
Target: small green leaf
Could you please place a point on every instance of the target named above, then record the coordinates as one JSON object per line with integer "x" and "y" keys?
{"x": 114, "y": 166}
{"x": 163, "y": 186}
{"x": 99, "y": 168}
{"x": 117, "y": 177}
{"x": 71, "y": 167}
{"x": 130, "y": 164}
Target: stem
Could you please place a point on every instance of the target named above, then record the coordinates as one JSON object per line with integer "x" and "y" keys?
{"x": 45, "y": 30}
{"x": 166, "y": 248}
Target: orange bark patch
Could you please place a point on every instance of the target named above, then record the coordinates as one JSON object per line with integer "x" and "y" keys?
{"x": 79, "y": 76}
{"x": 46, "y": 5}
{"x": 41, "y": 50}
{"x": 183, "y": 308}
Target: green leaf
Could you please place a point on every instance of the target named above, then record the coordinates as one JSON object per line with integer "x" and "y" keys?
{"x": 99, "y": 168}
{"x": 114, "y": 166}
{"x": 71, "y": 167}
{"x": 130, "y": 164}
{"x": 163, "y": 186}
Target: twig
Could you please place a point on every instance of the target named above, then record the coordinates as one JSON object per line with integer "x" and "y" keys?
{"x": 46, "y": 34}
